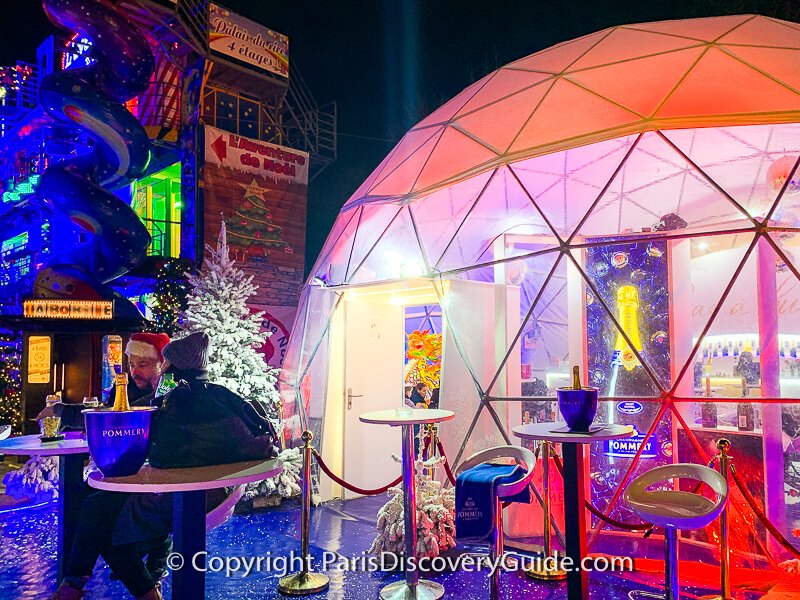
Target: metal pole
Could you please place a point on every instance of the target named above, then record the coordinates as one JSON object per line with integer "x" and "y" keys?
{"x": 304, "y": 582}
{"x": 410, "y": 508}
{"x": 541, "y": 570}
{"x": 723, "y": 445}
{"x": 413, "y": 588}
{"x": 497, "y": 550}
{"x": 671, "y": 589}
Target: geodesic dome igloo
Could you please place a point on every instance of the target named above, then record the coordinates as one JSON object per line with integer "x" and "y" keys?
{"x": 626, "y": 202}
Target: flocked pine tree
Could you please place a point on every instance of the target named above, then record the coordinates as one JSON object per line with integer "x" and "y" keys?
{"x": 217, "y": 305}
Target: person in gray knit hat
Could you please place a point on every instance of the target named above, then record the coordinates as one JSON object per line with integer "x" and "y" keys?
{"x": 199, "y": 423}
{"x": 189, "y": 353}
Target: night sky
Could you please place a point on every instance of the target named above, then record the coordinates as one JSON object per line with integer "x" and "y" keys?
{"x": 387, "y": 64}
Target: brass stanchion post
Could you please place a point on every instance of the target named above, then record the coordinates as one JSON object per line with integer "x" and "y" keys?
{"x": 544, "y": 570}
{"x": 305, "y": 582}
{"x": 725, "y": 467}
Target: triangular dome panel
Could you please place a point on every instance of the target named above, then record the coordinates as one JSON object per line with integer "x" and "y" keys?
{"x": 396, "y": 255}
{"x": 624, "y": 44}
{"x": 400, "y": 176}
{"x": 762, "y": 32}
{"x": 498, "y": 123}
{"x": 780, "y": 61}
{"x": 335, "y": 255}
{"x": 439, "y": 214}
{"x": 560, "y": 57}
{"x": 744, "y": 161}
{"x": 719, "y": 84}
{"x": 640, "y": 85}
{"x": 417, "y": 144}
{"x": 506, "y": 82}
{"x": 504, "y": 207}
{"x": 707, "y": 29}
{"x": 455, "y": 154}
{"x": 657, "y": 182}
{"x": 566, "y": 112}
{"x": 564, "y": 185}
{"x": 372, "y": 225}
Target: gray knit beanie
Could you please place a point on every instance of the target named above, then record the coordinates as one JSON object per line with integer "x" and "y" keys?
{"x": 190, "y": 352}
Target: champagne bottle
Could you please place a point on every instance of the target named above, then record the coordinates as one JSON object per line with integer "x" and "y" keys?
{"x": 745, "y": 414}
{"x": 576, "y": 378}
{"x": 121, "y": 396}
{"x": 708, "y": 417}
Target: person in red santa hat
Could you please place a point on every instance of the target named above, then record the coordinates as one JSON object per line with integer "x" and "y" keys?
{"x": 145, "y": 364}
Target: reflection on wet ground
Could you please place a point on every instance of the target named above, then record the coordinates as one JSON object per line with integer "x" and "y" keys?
{"x": 28, "y": 549}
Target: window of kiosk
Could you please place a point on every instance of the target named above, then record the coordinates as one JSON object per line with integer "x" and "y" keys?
{"x": 157, "y": 201}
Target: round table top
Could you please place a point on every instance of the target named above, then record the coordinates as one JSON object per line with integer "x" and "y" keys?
{"x": 150, "y": 479}
{"x": 552, "y": 433}
{"x": 417, "y": 416}
{"x": 31, "y": 445}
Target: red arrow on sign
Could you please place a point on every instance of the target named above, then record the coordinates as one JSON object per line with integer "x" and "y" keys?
{"x": 220, "y": 148}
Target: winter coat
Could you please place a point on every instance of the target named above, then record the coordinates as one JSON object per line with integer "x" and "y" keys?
{"x": 215, "y": 436}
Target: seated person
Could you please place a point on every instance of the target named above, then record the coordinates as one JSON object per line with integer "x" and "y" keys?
{"x": 419, "y": 395}
{"x": 195, "y": 416}
{"x": 146, "y": 364}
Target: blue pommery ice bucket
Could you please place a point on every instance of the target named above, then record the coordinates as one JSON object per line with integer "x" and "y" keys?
{"x": 578, "y": 407}
{"x": 119, "y": 440}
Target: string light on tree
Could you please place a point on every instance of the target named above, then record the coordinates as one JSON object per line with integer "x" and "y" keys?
{"x": 10, "y": 384}
{"x": 170, "y": 295}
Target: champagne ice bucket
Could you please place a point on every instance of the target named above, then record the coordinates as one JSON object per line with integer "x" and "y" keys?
{"x": 119, "y": 439}
{"x": 578, "y": 407}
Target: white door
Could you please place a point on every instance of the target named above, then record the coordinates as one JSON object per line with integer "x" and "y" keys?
{"x": 373, "y": 381}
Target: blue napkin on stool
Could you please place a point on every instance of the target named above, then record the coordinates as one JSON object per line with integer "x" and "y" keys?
{"x": 475, "y": 499}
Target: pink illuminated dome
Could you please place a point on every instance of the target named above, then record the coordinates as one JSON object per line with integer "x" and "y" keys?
{"x": 550, "y": 130}
{"x": 628, "y": 202}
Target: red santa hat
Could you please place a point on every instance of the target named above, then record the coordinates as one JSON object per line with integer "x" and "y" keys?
{"x": 148, "y": 345}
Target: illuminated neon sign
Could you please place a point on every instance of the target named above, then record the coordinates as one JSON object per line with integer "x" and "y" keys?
{"x": 68, "y": 309}
{"x": 628, "y": 447}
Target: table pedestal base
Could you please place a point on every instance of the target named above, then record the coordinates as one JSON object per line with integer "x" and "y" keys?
{"x": 426, "y": 590}
{"x": 542, "y": 573}
{"x": 72, "y": 493}
{"x": 302, "y": 584}
{"x": 189, "y": 538}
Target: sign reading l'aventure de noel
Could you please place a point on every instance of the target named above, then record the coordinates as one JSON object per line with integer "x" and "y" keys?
{"x": 260, "y": 158}
{"x": 240, "y": 38}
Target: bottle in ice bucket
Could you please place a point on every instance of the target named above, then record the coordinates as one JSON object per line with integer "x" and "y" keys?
{"x": 166, "y": 384}
{"x": 121, "y": 398}
{"x": 119, "y": 438}
{"x": 577, "y": 404}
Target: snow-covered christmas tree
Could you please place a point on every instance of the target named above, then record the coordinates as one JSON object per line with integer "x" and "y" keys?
{"x": 435, "y": 516}
{"x": 217, "y": 305}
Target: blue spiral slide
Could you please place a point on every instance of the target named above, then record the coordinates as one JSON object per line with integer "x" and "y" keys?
{"x": 92, "y": 98}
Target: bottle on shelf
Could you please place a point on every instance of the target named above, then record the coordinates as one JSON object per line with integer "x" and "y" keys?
{"x": 708, "y": 416}
{"x": 745, "y": 413}
{"x": 121, "y": 396}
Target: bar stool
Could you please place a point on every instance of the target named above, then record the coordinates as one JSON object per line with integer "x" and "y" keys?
{"x": 673, "y": 510}
{"x": 526, "y": 459}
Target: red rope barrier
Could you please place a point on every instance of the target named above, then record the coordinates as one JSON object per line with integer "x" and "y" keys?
{"x": 447, "y": 469}
{"x": 597, "y": 513}
{"x": 787, "y": 545}
{"x": 353, "y": 488}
